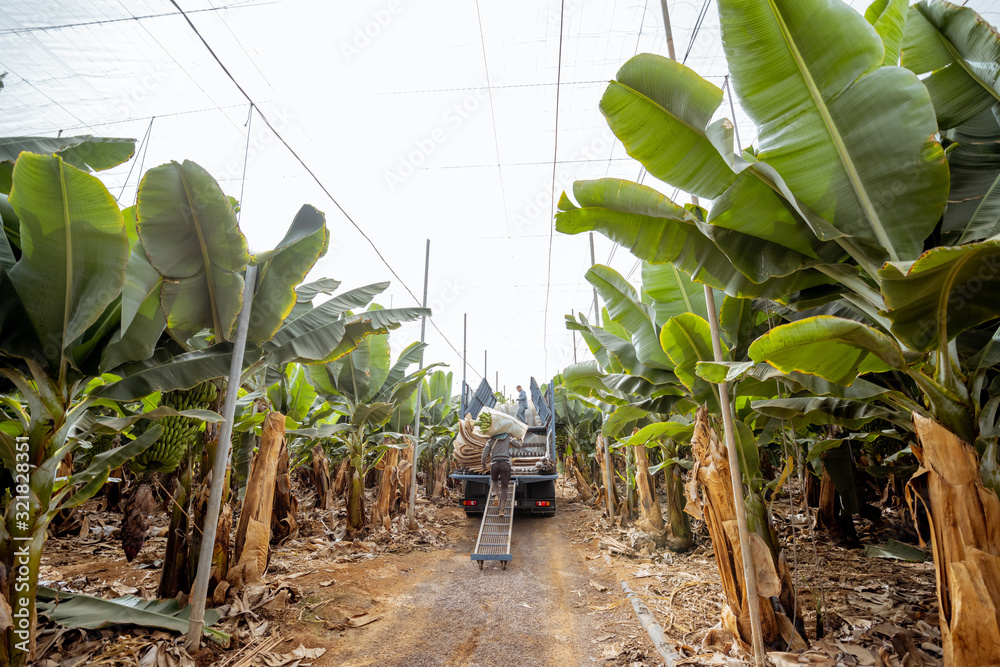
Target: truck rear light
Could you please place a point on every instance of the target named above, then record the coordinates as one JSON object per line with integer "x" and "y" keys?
{"x": 542, "y": 503}
{"x": 470, "y": 503}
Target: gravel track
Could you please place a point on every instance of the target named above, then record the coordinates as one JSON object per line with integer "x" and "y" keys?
{"x": 452, "y": 613}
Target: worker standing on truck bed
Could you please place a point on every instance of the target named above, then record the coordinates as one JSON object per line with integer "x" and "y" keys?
{"x": 522, "y": 404}
{"x": 497, "y": 453}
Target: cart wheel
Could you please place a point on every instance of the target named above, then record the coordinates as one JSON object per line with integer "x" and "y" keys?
{"x": 480, "y": 565}
{"x": 503, "y": 565}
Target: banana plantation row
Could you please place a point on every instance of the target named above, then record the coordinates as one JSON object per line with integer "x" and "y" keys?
{"x": 855, "y": 251}
{"x": 851, "y": 259}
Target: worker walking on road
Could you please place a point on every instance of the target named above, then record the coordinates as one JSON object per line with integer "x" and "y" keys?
{"x": 497, "y": 454}
{"x": 522, "y": 404}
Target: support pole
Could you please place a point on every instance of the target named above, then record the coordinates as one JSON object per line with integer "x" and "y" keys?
{"x": 411, "y": 507}
{"x": 652, "y": 628}
{"x": 199, "y": 593}
{"x": 593, "y": 261}
{"x": 609, "y": 479}
{"x": 670, "y": 33}
{"x": 735, "y": 477}
{"x": 573, "y": 313}
{"x": 485, "y": 372}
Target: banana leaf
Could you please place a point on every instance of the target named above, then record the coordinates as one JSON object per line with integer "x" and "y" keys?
{"x": 75, "y": 610}
{"x": 854, "y": 141}
{"x": 835, "y": 349}
{"x": 960, "y": 52}
{"x": 74, "y": 251}
{"x": 188, "y": 229}
{"x": 282, "y": 269}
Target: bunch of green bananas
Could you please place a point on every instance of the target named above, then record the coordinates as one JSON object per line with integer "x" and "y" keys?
{"x": 485, "y": 421}
{"x": 102, "y": 442}
{"x": 179, "y": 433}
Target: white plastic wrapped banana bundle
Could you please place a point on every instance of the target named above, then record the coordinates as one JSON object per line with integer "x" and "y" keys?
{"x": 494, "y": 422}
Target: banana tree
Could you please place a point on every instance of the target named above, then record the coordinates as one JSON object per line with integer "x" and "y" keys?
{"x": 850, "y": 180}
{"x": 367, "y": 393}
{"x": 61, "y": 299}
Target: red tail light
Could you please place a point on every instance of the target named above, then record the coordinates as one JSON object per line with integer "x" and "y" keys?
{"x": 469, "y": 503}
{"x": 542, "y": 503}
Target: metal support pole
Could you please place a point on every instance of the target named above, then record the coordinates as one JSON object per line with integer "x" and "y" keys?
{"x": 670, "y": 33}
{"x": 737, "y": 482}
{"x": 465, "y": 363}
{"x": 199, "y": 593}
{"x": 573, "y": 313}
{"x": 485, "y": 372}
{"x": 411, "y": 508}
{"x": 593, "y": 261}
{"x": 609, "y": 478}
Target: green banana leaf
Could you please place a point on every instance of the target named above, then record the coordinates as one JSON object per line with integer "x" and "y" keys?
{"x": 943, "y": 293}
{"x": 142, "y": 319}
{"x": 833, "y": 348}
{"x": 83, "y": 152}
{"x": 737, "y": 319}
{"x": 687, "y": 340}
{"x": 138, "y": 342}
{"x": 188, "y": 228}
{"x": 293, "y": 396}
{"x": 841, "y": 130}
{"x": 75, "y": 610}
{"x": 439, "y": 389}
{"x": 671, "y": 292}
{"x": 659, "y": 109}
{"x": 664, "y": 109}
{"x": 373, "y": 415}
{"x": 94, "y": 476}
{"x": 9, "y": 217}
{"x": 74, "y": 251}
{"x": 580, "y": 324}
{"x": 17, "y": 337}
{"x": 409, "y": 356}
{"x": 622, "y": 417}
{"x": 658, "y": 231}
{"x": 282, "y": 269}
{"x": 179, "y": 372}
{"x": 651, "y": 433}
{"x": 897, "y": 551}
{"x": 306, "y": 292}
{"x": 625, "y": 308}
{"x": 961, "y": 52}
{"x": 806, "y": 410}
{"x": 974, "y": 200}
{"x": 889, "y": 20}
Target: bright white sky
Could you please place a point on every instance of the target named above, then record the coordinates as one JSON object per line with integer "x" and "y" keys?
{"x": 387, "y": 101}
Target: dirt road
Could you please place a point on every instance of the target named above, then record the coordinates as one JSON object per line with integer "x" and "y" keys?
{"x": 438, "y": 608}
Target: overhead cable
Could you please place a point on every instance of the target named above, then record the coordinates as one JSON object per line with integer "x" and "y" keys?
{"x": 552, "y": 199}
{"x": 311, "y": 173}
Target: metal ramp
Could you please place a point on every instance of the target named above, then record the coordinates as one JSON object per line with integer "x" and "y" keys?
{"x": 493, "y": 542}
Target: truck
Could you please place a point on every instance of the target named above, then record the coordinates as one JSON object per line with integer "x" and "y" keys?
{"x": 534, "y": 493}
